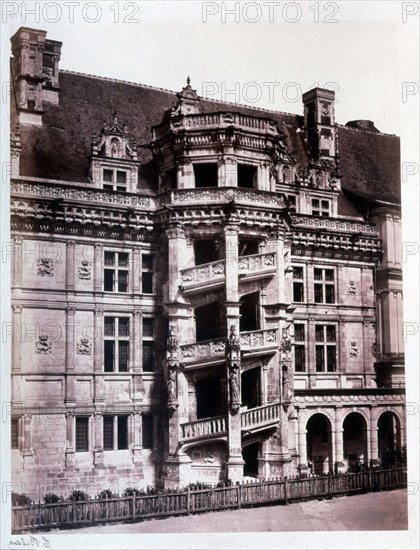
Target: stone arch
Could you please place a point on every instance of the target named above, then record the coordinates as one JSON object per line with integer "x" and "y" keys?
{"x": 319, "y": 443}
{"x": 355, "y": 439}
{"x": 389, "y": 438}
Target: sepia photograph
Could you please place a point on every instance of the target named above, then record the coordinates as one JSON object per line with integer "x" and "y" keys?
{"x": 210, "y": 274}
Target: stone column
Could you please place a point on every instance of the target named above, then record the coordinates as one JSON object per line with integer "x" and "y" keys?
{"x": 339, "y": 464}
{"x": 311, "y": 353}
{"x": 341, "y": 351}
{"x": 70, "y": 356}
{"x": 17, "y": 262}
{"x": 70, "y": 265}
{"x": 98, "y": 455}
{"x": 28, "y": 453}
{"x": 136, "y": 437}
{"x": 373, "y": 436}
{"x": 16, "y": 354}
{"x": 302, "y": 449}
{"x": 97, "y": 268}
{"x": 136, "y": 271}
{"x": 98, "y": 360}
{"x": 70, "y": 448}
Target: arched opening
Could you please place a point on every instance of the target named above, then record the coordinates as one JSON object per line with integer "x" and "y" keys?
{"x": 206, "y": 251}
{"x": 249, "y": 311}
{"x": 209, "y": 397}
{"x": 250, "y": 455}
{"x": 355, "y": 440}
{"x": 251, "y": 388}
{"x": 209, "y": 322}
{"x": 389, "y": 439}
{"x": 318, "y": 441}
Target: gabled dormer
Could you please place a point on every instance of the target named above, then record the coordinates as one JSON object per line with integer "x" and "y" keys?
{"x": 114, "y": 162}
{"x": 187, "y": 103}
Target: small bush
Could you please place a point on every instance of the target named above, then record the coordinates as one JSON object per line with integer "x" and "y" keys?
{"x": 20, "y": 499}
{"x": 106, "y": 493}
{"x": 130, "y": 491}
{"x": 50, "y": 498}
{"x": 78, "y": 495}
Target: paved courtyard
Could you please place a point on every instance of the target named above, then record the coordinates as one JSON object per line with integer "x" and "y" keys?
{"x": 367, "y": 512}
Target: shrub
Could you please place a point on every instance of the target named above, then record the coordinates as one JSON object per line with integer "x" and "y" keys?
{"x": 20, "y": 499}
{"x": 78, "y": 495}
{"x": 50, "y": 498}
{"x": 106, "y": 493}
{"x": 130, "y": 491}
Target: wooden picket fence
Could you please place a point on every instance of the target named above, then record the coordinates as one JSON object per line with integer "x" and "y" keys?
{"x": 134, "y": 508}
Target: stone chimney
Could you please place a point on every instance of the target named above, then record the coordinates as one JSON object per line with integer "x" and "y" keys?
{"x": 320, "y": 122}
{"x": 34, "y": 75}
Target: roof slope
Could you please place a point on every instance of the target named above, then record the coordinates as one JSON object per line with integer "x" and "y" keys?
{"x": 60, "y": 148}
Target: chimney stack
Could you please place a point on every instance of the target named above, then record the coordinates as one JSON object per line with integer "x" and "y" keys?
{"x": 319, "y": 122}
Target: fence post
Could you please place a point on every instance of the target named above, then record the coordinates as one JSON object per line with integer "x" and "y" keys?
{"x": 329, "y": 485}
{"x": 286, "y": 490}
{"x": 134, "y": 505}
{"x": 188, "y": 500}
{"x": 238, "y": 495}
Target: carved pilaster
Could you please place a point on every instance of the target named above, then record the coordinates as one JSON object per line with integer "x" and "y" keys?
{"x": 17, "y": 262}
{"x": 70, "y": 265}
{"x": 97, "y": 271}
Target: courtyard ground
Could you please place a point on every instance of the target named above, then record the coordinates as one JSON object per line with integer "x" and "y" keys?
{"x": 368, "y": 512}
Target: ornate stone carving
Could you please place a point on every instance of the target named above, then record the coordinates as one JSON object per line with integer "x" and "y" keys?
{"x": 43, "y": 345}
{"x": 354, "y": 350}
{"x": 45, "y": 267}
{"x": 84, "y": 347}
{"x": 172, "y": 471}
{"x": 234, "y": 392}
{"x": 352, "y": 288}
{"x": 85, "y": 270}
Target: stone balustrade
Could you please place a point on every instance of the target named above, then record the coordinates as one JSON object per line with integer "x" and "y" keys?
{"x": 204, "y": 427}
{"x": 260, "y": 416}
{"x": 258, "y": 339}
{"x": 216, "y": 121}
{"x": 256, "y": 263}
{"x": 203, "y": 350}
{"x": 212, "y": 272}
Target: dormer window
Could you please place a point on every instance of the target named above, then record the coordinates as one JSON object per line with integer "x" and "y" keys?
{"x": 320, "y": 208}
{"x": 114, "y": 180}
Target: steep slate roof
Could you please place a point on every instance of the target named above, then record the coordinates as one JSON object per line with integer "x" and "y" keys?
{"x": 60, "y": 148}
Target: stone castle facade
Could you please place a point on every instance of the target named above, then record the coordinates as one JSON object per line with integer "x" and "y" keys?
{"x": 201, "y": 291}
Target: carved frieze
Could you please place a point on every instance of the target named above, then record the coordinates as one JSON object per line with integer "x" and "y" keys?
{"x": 85, "y": 270}
{"x": 43, "y": 345}
{"x": 84, "y": 347}
{"x": 45, "y": 267}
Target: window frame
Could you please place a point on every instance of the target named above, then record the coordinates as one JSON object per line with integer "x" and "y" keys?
{"x": 77, "y": 444}
{"x": 328, "y": 346}
{"x": 115, "y": 425}
{"x": 324, "y": 285}
{"x": 148, "y": 341}
{"x": 323, "y": 210}
{"x": 148, "y": 272}
{"x": 116, "y": 268}
{"x": 298, "y": 281}
{"x": 114, "y": 184}
{"x": 301, "y": 345}
{"x": 119, "y": 340}
{"x": 151, "y": 441}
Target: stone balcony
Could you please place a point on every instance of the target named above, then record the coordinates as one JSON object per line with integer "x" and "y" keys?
{"x": 257, "y": 342}
{"x": 260, "y": 417}
{"x": 217, "y": 122}
{"x": 211, "y": 275}
{"x": 252, "y": 420}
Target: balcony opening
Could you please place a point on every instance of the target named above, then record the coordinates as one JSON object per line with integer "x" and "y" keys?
{"x": 209, "y": 321}
{"x": 355, "y": 440}
{"x": 170, "y": 179}
{"x": 247, "y": 176}
{"x": 206, "y": 251}
{"x": 389, "y": 439}
{"x": 209, "y": 397}
{"x": 250, "y": 455}
{"x": 205, "y": 174}
{"x": 251, "y": 388}
{"x": 247, "y": 247}
{"x": 249, "y": 312}
{"x": 319, "y": 446}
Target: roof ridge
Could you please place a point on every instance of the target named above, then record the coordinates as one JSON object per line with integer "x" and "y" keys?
{"x": 150, "y": 87}
{"x": 364, "y": 130}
